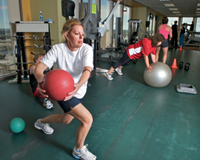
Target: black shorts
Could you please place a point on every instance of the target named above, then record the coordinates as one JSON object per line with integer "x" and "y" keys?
{"x": 71, "y": 103}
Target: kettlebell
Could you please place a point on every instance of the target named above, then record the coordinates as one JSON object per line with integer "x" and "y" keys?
{"x": 180, "y": 65}
{"x": 187, "y": 66}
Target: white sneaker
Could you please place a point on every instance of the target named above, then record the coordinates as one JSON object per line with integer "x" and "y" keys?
{"x": 108, "y": 76}
{"x": 47, "y": 103}
{"x": 42, "y": 126}
{"x": 83, "y": 154}
{"x": 119, "y": 71}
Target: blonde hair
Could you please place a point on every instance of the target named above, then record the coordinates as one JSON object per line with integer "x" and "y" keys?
{"x": 36, "y": 56}
{"x": 68, "y": 26}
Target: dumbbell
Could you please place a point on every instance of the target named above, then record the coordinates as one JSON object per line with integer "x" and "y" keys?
{"x": 180, "y": 65}
{"x": 187, "y": 66}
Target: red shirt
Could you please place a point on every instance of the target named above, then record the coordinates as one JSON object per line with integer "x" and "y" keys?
{"x": 137, "y": 50}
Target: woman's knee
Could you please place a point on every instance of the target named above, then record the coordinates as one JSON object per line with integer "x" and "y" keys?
{"x": 88, "y": 121}
{"x": 66, "y": 119}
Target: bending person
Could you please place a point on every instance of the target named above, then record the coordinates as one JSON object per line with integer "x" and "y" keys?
{"x": 75, "y": 57}
{"x": 34, "y": 84}
{"x": 166, "y": 31}
{"x": 138, "y": 50}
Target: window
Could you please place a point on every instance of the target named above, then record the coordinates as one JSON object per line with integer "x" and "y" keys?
{"x": 125, "y": 24}
{"x": 6, "y": 55}
{"x": 152, "y": 24}
{"x": 187, "y": 20}
{"x": 197, "y": 25}
{"x": 116, "y": 14}
{"x": 104, "y": 14}
{"x": 171, "y": 20}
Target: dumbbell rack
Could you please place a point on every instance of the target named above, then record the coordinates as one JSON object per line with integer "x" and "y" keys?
{"x": 28, "y": 27}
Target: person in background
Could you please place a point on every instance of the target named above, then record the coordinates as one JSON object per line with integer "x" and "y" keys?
{"x": 192, "y": 26}
{"x": 34, "y": 84}
{"x": 189, "y": 32}
{"x": 135, "y": 51}
{"x": 166, "y": 31}
{"x": 174, "y": 35}
{"x": 182, "y": 34}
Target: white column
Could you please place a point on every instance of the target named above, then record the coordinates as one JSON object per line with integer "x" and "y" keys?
{"x": 121, "y": 15}
{"x": 77, "y": 8}
{"x": 111, "y": 25}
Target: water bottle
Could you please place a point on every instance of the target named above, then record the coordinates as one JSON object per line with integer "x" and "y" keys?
{"x": 41, "y": 17}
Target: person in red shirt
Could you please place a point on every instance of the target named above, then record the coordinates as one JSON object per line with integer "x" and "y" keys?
{"x": 135, "y": 51}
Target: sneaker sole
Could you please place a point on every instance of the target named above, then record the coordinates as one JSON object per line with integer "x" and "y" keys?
{"x": 38, "y": 127}
{"x": 47, "y": 107}
{"x": 75, "y": 156}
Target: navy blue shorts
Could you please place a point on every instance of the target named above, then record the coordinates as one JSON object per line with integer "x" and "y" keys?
{"x": 164, "y": 44}
{"x": 71, "y": 103}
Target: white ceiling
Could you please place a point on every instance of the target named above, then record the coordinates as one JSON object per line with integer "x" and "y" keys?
{"x": 187, "y": 8}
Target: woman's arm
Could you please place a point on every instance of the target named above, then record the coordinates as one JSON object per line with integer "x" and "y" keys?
{"x": 153, "y": 58}
{"x": 85, "y": 76}
{"x": 39, "y": 71}
{"x": 146, "y": 59}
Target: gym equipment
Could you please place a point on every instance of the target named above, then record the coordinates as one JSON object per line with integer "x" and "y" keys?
{"x": 193, "y": 39}
{"x": 17, "y": 125}
{"x": 134, "y": 28}
{"x": 160, "y": 76}
{"x": 187, "y": 66}
{"x": 57, "y": 84}
{"x": 103, "y": 25}
{"x": 93, "y": 28}
{"x": 180, "y": 65}
{"x": 30, "y": 27}
{"x": 186, "y": 88}
{"x": 68, "y": 8}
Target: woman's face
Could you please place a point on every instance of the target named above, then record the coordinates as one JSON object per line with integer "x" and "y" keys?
{"x": 38, "y": 60}
{"x": 75, "y": 38}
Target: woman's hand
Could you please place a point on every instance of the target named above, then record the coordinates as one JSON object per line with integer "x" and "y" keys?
{"x": 149, "y": 69}
{"x": 42, "y": 92}
{"x": 71, "y": 94}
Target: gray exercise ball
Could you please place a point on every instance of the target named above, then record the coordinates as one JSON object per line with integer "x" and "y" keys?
{"x": 160, "y": 76}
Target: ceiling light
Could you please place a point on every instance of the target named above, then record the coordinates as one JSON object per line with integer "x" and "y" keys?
{"x": 173, "y": 9}
{"x": 198, "y": 9}
{"x": 179, "y": 14}
{"x": 164, "y": 0}
{"x": 169, "y": 5}
{"x": 198, "y": 4}
{"x": 176, "y": 11}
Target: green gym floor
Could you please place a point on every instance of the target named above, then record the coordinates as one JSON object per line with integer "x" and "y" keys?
{"x": 132, "y": 121}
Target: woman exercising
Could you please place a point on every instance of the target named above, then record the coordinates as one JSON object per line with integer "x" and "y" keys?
{"x": 33, "y": 82}
{"x": 135, "y": 51}
{"x": 75, "y": 57}
{"x": 166, "y": 31}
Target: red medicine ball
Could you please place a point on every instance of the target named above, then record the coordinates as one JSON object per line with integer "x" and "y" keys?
{"x": 57, "y": 84}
